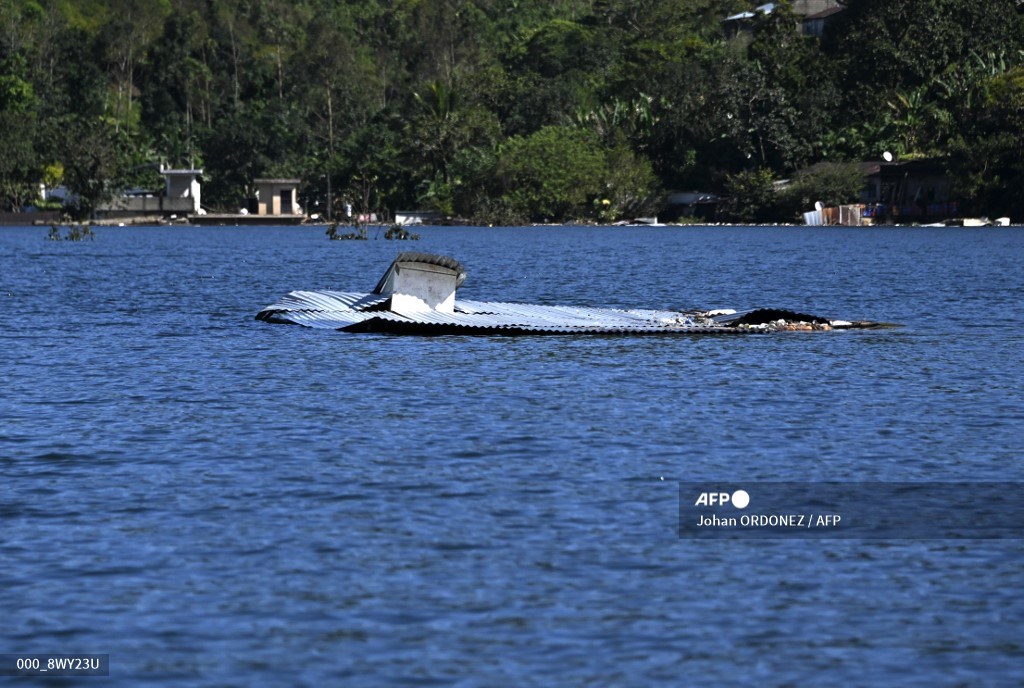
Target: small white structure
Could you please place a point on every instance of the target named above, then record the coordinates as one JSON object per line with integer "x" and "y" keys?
{"x": 277, "y": 196}
{"x": 183, "y": 184}
{"x": 181, "y": 196}
{"x": 418, "y": 282}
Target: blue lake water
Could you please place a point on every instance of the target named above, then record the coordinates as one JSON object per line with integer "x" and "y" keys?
{"x": 214, "y": 500}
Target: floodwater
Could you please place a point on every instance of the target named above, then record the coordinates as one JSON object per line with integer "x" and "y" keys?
{"x": 217, "y": 501}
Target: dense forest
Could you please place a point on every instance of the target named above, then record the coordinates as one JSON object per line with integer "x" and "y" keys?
{"x": 505, "y": 110}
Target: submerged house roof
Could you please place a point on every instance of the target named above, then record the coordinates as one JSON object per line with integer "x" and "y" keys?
{"x": 416, "y": 295}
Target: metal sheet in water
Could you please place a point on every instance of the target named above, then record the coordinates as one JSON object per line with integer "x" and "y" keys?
{"x": 398, "y": 307}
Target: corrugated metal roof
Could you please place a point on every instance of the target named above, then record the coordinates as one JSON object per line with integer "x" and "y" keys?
{"x": 352, "y": 311}
{"x": 359, "y": 312}
{"x": 322, "y": 309}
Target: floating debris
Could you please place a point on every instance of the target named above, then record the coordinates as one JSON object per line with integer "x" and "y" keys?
{"x": 79, "y": 232}
{"x": 397, "y": 232}
{"x": 358, "y": 235}
{"x": 416, "y": 295}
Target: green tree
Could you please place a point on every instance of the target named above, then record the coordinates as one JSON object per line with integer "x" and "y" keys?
{"x": 472, "y": 191}
{"x": 631, "y": 189}
{"x": 551, "y": 175}
{"x": 448, "y": 104}
{"x": 553, "y": 73}
{"x": 917, "y": 123}
{"x": 129, "y": 26}
{"x": 442, "y": 126}
{"x": 177, "y": 99}
{"x": 19, "y": 161}
{"x": 685, "y": 142}
{"x": 832, "y": 184}
{"x": 236, "y": 152}
{"x": 884, "y": 46}
{"x": 988, "y": 157}
{"x": 375, "y": 152}
{"x": 896, "y": 59}
{"x": 20, "y": 170}
{"x": 97, "y": 161}
{"x": 751, "y": 197}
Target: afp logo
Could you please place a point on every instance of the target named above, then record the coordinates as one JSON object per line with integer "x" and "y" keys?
{"x": 739, "y": 499}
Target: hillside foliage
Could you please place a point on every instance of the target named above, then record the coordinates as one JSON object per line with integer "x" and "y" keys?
{"x": 501, "y": 110}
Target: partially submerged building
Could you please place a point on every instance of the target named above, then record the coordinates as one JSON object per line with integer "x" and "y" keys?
{"x": 278, "y": 197}
{"x": 180, "y": 197}
{"x": 417, "y": 296}
{"x": 183, "y": 189}
{"x": 275, "y": 203}
{"x": 915, "y": 190}
{"x": 896, "y": 192}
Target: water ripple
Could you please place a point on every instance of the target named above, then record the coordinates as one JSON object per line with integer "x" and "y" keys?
{"x": 216, "y": 501}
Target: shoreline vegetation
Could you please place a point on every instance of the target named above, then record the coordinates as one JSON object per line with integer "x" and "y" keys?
{"x": 540, "y": 113}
